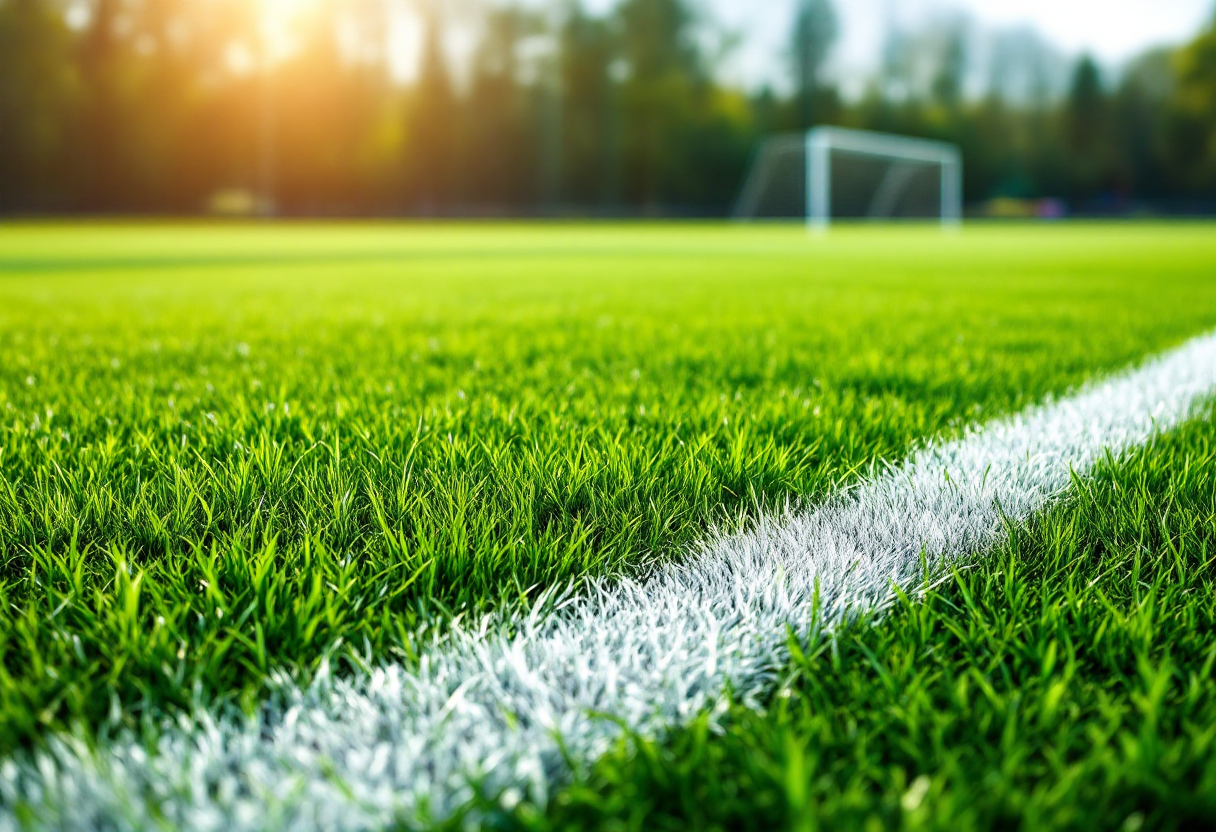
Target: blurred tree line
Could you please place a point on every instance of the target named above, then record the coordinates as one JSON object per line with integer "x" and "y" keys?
{"x": 177, "y": 105}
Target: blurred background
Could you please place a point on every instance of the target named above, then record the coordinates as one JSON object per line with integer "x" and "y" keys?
{"x": 589, "y": 107}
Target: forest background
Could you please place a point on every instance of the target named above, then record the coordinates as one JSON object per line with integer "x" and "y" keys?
{"x": 303, "y": 107}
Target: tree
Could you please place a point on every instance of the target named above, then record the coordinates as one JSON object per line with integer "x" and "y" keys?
{"x": 591, "y": 124}
{"x": 815, "y": 31}
{"x": 104, "y": 174}
{"x": 1192, "y": 124}
{"x": 501, "y": 125}
{"x": 1086, "y": 105}
{"x": 1140, "y": 116}
{"x": 1089, "y": 160}
{"x": 37, "y": 85}
{"x": 664, "y": 72}
{"x": 431, "y": 132}
{"x": 950, "y": 74}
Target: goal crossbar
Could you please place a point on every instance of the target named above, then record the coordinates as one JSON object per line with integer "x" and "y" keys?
{"x": 821, "y": 142}
{"x": 906, "y": 158}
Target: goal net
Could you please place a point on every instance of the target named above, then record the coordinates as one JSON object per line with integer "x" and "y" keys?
{"x": 832, "y": 173}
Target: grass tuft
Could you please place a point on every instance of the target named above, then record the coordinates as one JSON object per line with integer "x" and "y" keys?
{"x": 1066, "y": 683}
{"x": 232, "y": 450}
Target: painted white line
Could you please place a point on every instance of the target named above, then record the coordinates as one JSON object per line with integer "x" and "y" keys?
{"x": 488, "y": 703}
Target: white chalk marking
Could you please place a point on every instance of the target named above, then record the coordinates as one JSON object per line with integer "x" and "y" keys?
{"x": 487, "y": 704}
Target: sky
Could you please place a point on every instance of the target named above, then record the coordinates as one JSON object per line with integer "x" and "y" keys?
{"x": 1112, "y": 30}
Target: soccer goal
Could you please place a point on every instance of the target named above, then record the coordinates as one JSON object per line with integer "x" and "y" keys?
{"x": 832, "y": 173}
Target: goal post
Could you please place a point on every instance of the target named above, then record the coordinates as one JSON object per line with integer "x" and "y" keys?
{"x": 833, "y": 173}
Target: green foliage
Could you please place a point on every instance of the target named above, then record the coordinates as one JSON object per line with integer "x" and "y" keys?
{"x": 664, "y": 97}
{"x": 1193, "y": 127}
{"x": 167, "y": 105}
{"x": 591, "y": 140}
{"x": 1086, "y": 105}
{"x": 433, "y": 128}
{"x": 37, "y": 92}
{"x": 1141, "y": 109}
{"x": 816, "y": 28}
{"x": 230, "y": 450}
{"x": 1066, "y": 682}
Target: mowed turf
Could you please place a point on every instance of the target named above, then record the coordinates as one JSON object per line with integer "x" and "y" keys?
{"x": 1068, "y": 681}
{"x": 228, "y": 451}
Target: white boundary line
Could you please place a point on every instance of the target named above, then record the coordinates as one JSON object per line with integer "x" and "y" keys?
{"x": 487, "y": 703}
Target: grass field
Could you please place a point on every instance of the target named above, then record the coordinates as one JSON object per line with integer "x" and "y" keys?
{"x": 229, "y": 451}
{"x": 1067, "y": 684}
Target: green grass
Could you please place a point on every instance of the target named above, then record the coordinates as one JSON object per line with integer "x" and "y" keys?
{"x": 228, "y": 450}
{"x": 1068, "y": 682}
